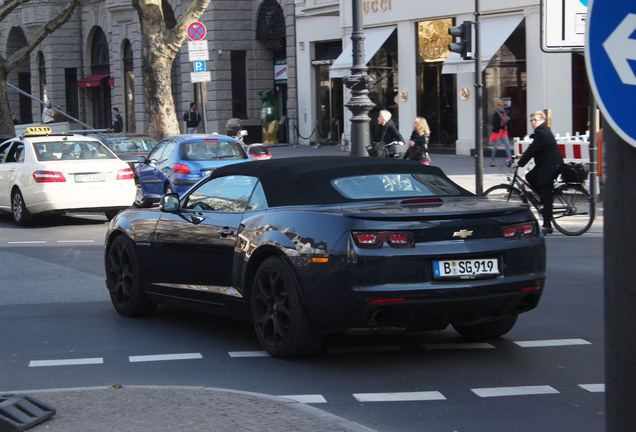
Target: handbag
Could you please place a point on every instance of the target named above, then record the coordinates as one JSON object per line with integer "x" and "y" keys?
{"x": 427, "y": 158}
{"x": 573, "y": 172}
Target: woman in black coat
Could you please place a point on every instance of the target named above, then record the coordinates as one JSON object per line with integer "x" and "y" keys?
{"x": 386, "y": 131}
{"x": 418, "y": 144}
{"x": 547, "y": 160}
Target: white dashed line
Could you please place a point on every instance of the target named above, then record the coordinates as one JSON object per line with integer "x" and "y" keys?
{"x": 552, "y": 343}
{"x": 363, "y": 349}
{"x": 76, "y": 241}
{"x": 66, "y": 362}
{"x": 453, "y": 346}
{"x": 27, "y": 242}
{"x": 399, "y": 396}
{"x": 165, "y": 357}
{"x": 308, "y": 399}
{"x": 593, "y": 388}
{"x": 514, "y": 391}
{"x": 239, "y": 354}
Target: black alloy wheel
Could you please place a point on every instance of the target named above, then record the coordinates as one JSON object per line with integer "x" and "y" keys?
{"x": 122, "y": 279}
{"x": 488, "y": 330}
{"x": 280, "y": 320}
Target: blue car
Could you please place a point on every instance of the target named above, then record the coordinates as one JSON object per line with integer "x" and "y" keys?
{"x": 178, "y": 162}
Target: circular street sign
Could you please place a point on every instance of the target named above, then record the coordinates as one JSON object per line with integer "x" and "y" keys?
{"x": 610, "y": 53}
{"x": 196, "y": 31}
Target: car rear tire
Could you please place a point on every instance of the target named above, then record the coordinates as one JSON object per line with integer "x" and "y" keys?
{"x": 122, "y": 279}
{"x": 140, "y": 201}
{"x": 280, "y": 319}
{"x": 487, "y": 330}
{"x": 21, "y": 215}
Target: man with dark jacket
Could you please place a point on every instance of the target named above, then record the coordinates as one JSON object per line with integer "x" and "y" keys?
{"x": 192, "y": 119}
{"x": 547, "y": 160}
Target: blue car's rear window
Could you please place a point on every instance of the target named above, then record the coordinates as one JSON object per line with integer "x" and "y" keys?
{"x": 207, "y": 150}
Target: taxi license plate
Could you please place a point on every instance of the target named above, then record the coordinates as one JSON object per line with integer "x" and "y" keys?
{"x": 85, "y": 178}
{"x": 466, "y": 269}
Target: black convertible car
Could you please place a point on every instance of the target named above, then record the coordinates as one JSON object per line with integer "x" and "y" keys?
{"x": 307, "y": 246}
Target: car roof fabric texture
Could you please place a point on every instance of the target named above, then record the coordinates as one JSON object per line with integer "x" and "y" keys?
{"x": 307, "y": 180}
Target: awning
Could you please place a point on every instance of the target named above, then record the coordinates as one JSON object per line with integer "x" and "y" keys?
{"x": 494, "y": 32}
{"x": 95, "y": 80}
{"x": 373, "y": 40}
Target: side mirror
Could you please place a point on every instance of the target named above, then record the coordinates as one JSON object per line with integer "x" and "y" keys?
{"x": 169, "y": 203}
{"x": 242, "y": 133}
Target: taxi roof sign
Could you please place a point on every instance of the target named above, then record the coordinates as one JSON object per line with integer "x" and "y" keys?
{"x": 38, "y": 130}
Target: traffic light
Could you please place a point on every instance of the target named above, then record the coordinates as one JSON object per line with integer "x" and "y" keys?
{"x": 465, "y": 45}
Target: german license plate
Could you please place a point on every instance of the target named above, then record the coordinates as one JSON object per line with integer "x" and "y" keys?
{"x": 466, "y": 268}
{"x": 85, "y": 178}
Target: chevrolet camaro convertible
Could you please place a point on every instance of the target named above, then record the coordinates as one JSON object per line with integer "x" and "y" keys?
{"x": 303, "y": 247}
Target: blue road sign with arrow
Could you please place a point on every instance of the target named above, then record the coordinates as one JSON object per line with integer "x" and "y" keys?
{"x": 610, "y": 57}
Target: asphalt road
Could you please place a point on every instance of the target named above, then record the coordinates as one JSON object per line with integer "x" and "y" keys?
{"x": 60, "y": 331}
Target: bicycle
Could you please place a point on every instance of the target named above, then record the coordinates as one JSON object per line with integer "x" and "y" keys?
{"x": 573, "y": 209}
{"x": 381, "y": 149}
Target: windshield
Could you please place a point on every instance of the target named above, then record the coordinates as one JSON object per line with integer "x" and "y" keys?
{"x": 207, "y": 150}
{"x": 131, "y": 145}
{"x": 69, "y": 150}
{"x": 394, "y": 185}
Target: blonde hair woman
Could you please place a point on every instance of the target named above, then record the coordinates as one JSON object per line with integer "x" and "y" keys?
{"x": 418, "y": 143}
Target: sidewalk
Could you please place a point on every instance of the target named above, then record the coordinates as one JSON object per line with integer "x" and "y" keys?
{"x": 191, "y": 409}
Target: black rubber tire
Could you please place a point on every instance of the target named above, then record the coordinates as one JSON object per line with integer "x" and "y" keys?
{"x": 140, "y": 201}
{"x": 280, "y": 321}
{"x": 488, "y": 330}
{"x": 573, "y": 209}
{"x": 506, "y": 193}
{"x": 122, "y": 279}
{"x": 21, "y": 215}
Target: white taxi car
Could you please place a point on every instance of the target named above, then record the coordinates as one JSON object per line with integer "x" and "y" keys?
{"x": 42, "y": 172}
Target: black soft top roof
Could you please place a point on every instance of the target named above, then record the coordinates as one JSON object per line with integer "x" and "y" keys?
{"x": 307, "y": 180}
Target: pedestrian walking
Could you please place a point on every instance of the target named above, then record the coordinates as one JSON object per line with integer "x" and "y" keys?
{"x": 192, "y": 119}
{"x": 418, "y": 143}
{"x": 500, "y": 121}
{"x": 48, "y": 115}
{"x": 118, "y": 122}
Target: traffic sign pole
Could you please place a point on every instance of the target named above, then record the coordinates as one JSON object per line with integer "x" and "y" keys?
{"x": 610, "y": 46}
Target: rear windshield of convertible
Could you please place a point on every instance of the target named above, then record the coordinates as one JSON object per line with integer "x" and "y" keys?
{"x": 393, "y": 185}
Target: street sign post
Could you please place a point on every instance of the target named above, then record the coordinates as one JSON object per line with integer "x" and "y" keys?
{"x": 196, "y": 31}
{"x": 198, "y": 50}
{"x": 563, "y": 25}
{"x": 610, "y": 47}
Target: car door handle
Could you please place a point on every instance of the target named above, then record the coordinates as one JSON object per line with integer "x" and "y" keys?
{"x": 225, "y": 231}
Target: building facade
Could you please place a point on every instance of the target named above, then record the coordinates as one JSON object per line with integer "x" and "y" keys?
{"x": 406, "y": 50}
{"x": 93, "y": 63}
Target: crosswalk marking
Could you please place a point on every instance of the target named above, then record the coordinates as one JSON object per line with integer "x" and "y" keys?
{"x": 399, "y": 396}
{"x": 239, "y": 354}
{"x": 445, "y": 346}
{"x": 66, "y": 362}
{"x": 551, "y": 343}
{"x": 308, "y": 398}
{"x": 164, "y": 357}
{"x": 593, "y": 388}
{"x": 514, "y": 391}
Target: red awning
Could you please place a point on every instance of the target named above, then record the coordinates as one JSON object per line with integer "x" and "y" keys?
{"x": 95, "y": 80}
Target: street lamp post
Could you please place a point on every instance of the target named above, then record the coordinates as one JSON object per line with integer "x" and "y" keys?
{"x": 359, "y": 82}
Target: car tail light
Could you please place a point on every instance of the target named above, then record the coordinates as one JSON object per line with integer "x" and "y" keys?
{"x": 375, "y": 239}
{"x": 260, "y": 155}
{"x": 181, "y": 168}
{"x": 48, "y": 177}
{"x": 125, "y": 174}
{"x": 523, "y": 230}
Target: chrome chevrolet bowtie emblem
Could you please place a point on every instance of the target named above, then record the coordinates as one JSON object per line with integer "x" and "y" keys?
{"x": 462, "y": 234}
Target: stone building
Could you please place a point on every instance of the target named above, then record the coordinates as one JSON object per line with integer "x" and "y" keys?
{"x": 92, "y": 63}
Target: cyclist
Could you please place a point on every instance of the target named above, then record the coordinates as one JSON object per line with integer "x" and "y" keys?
{"x": 386, "y": 131}
{"x": 547, "y": 159}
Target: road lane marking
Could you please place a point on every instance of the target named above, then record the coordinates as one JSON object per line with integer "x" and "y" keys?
{"x": 363, "y": 349}
{"x": 514, "y": 391}
{"x": 399, "y": 396}
{"x": 239, "y": 354}
{"x": 551, "y": 343}
{"x": 28, "y": 242}
{"x": 308, "y": 399}
{"x": 593, "y": 388}
{"x": 76, "y": 241}
{"x": 164, "y": 357}
{"x": 445, "y": 346}
{"x": 66, "y": 362}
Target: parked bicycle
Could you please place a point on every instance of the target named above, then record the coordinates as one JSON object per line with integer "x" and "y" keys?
{"x": 573, "y": 210}
{"x": 380, "y": 149}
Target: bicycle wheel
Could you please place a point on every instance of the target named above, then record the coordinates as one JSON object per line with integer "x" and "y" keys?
{"x": 573, "y": 209}
{"x": 505, "y": 192}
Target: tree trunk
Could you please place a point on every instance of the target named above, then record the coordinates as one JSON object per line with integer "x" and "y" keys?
{"x": 160, "y": 109}
{"x": 6, "y": 123}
